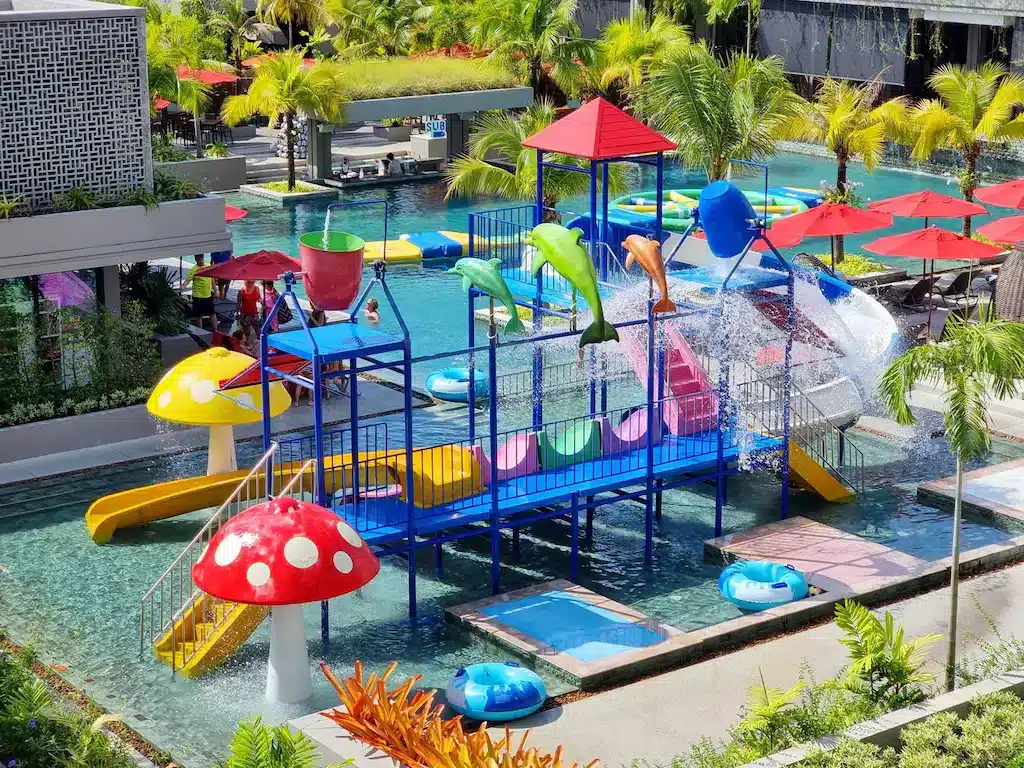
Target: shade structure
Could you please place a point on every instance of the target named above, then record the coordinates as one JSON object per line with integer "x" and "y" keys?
{"x": 65, "y": 289}
{"x": 1009, "y": 194}
{"x": 161, "y": 103}
{"x": 928, "y": 204}
{"x": 208, "y": 76}
{"x": 234, "y": 214}
{"x": 599, "y": 131}
{"x": 261, "y": 265}
{"x": 934, "y": 244}
{"x": 829, "y": 220}
{"x": 1008, "y": 230}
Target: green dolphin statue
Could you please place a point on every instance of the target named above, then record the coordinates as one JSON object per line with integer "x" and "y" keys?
{"x": 485, "y": 277}
{"x": 561, "y": 248}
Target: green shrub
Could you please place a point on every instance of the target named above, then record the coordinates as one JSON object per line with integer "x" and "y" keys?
{"x": 282, "y": 187}
{"x": 853, "y": 264}
{"x": 390, "y": 78}
{"x": 852, "y": 754}
{"x": 75, "y": 199}
{"x": 164, "y": 151}
{"x": 167, "y": 188}
{"x": 1003, "y": 654}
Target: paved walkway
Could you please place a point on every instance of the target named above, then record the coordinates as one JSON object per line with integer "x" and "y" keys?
{"x": 1006, "y": 417}
{"x": 658, "y": 718}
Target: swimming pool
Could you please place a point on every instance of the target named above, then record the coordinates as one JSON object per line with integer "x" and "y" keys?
{"x": 78, "y": 602}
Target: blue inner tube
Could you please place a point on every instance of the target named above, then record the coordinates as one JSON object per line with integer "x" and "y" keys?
{"x": 453, "y": 384}
{"x": 496, "y": 692}
{"x": 759, "y": 584}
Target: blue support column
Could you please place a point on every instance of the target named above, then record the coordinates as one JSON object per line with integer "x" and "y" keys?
{"x": 538, "y": 300}
{"x": 318, "y": 429}
{"x": 721, "y": 426}
{"x": 492, "y": 371}
{"x": 410, "y": 477}
{"x": 649, "y": 499}
{"x": 596, "y": 254}
{"x": 787, "y": 386}
{"x": 659, "y": 204}
{"x": 471, "y": 338}
{"x": 353, "y": 415}
{"x": 604, "y": 219}
{"x": 265, "y": 396}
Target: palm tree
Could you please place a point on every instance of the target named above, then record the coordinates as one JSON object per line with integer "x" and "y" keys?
{"x": 717, "y": 110}
{"x": 194, "y": 97}
{"x": 976, "y": 362}
{"x": 501, "y": 135}
{"x": 284, "y": 85}
{"x": 630, "y": 48}
{"x": 290, "y": 12}
{"x": 374, "y": 26}
{"x": 974, "y": 107}
{"x": 847, "y": 119}
{"x": 235, "y": 23}
{"x": 444, "y": 23}
{"x": 532, "y": 37}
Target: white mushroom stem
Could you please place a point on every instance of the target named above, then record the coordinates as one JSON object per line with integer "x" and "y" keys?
{"x": 288, "y": 679}
{"x": 221, "y": 455}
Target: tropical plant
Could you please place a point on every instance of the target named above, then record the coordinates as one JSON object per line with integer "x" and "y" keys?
{"x": 408, "y": 727}
{"x": 717, "y": 110}
{"x": 196, "y": 9}
{"x": 373, "y": 27}
{"x": 313, "y": 47}
{"x": 768, "y": 714}
{"x": 240, "y": 29}
{"x": 11, "y": 206}
{"x": 443, "y": 24}
{"x": 975, "y": 363}
{"x": 883, "y": 666}
{"x": 500, "y": 135}
{"x": 975, "y": 107}
{"x": 631, "y": 47}
{"x": 533, "y": 38}
{"x": 156, "y": 293}
{"x": 848, "y": 119}
{"x": 999, "y": 653}
{"x": 167, "y": 188}
{"x": 258, "y": 745}
{"x": 290, "y": 12}
{"x": 75, "y": 199}
{"x": 285, "y": 85}
{"x": 138, "y": 196}
{"x": 217, "y": 149}
{"x": 193, "y": 96}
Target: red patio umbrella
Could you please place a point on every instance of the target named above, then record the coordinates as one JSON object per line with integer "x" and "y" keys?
{"x": 829, "y": 220}
{"x": 932, "y": 244}
{"x": 234, "y": 214}
{"x": 261, "y": 265}
{"x": 208, "y": 76}
{"x": 1009, "y": 194}
{"x": 161, "y": 103}
{"x": 1008, "y": 230}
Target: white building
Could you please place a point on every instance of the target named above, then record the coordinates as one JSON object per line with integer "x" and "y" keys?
{"x": 74, "y": 113}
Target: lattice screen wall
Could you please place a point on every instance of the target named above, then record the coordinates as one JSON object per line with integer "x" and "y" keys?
{"x": 73, "y": 106}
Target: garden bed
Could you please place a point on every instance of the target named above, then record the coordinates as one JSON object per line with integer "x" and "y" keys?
{"x": 277, "y": 190}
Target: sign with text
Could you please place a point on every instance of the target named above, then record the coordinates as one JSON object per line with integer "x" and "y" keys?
{"x": 437, "y": 128}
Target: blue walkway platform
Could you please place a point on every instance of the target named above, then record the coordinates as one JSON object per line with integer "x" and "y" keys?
{"x": 337, "y": 341}
{"x": 380, "y": 521}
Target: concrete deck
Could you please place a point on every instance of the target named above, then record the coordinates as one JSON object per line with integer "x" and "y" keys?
{"x": 829, "y": 558}
{"x": 995, "y": 490}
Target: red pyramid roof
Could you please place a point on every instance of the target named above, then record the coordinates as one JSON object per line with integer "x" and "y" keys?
{"x": 599, "y": 131}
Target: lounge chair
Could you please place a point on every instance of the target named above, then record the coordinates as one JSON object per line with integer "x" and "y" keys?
{"x": 956, "y": 289}
{"x": 915, "y": 297}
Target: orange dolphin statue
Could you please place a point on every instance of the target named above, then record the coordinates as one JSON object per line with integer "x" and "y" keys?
{"x": 648, "y": 253}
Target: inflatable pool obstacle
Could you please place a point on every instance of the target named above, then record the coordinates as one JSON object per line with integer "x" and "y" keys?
{"x": 496, "y": 692}
{"x": 417, "y": 247}
{"x": 452, "y": 384}
{"x": 678, "y": 206}
{"x": 757, "y": 585}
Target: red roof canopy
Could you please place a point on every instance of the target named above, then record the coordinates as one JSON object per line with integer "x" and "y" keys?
{"x": 599, "y": 131}
{"x": 208, "y": 76}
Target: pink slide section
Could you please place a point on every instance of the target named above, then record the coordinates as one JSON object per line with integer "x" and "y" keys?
{"x": 629, "y": 435}
{"x": 516, "y": 458}
{"x": 687, "y": 413}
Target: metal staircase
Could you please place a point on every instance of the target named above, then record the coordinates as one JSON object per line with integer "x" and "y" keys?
{"x": 189, "y": 630}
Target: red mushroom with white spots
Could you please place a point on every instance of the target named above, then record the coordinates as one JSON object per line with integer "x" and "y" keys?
{"x": 284, "y": 553}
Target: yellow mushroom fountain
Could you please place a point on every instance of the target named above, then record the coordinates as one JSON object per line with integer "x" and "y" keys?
{"x": 189, "y": 394}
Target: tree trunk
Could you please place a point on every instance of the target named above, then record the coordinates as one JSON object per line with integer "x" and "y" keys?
{"x": 750, "y": 25}
{"x": 954, "y": 577}
{"x": 968, "y": 182}
{"x": 238, "y": 71}
{"x": 533, "y": 76}
{"x": 838, "y": 248}
{"x": 289, "y": 139}
{"x": 291, "y": 33}
{"x": 199, "y": 134}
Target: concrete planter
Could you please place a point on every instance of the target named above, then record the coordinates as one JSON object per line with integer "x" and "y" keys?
{"x": 289, "y": 197}
{"x": 393, "y": 133}
{"x": 885, "y": 731}
{"x": 56, "y": 242}
{"x": 243, "y": 132}
{"x": 212, "y": 173}
{"x": 423, "y": 147}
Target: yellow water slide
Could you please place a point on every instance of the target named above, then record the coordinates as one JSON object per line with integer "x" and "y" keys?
{"x": 809, "y": 474}
{"x": 208, "y": 633}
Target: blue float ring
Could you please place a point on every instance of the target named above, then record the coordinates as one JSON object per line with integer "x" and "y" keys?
{"x": 452, "y": 384}
{"x": 759, "y": 584}
{"x": 496, "y": 692}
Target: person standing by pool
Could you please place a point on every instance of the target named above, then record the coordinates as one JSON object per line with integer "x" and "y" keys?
{"x": 202, "y": 293}
{"x": 221, "y": 257}
{"x": 247, "y": 308}
{"x": 270, "y": 295}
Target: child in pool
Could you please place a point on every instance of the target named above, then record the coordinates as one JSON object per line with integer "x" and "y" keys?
{"x": 371, "y": 311}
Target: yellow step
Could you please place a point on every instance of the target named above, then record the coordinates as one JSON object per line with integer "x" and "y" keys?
{"x": 211, "y": 642}
{"x": 810, "y": 474}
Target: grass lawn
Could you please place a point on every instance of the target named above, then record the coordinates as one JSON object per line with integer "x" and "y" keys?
{"x": 391, "y": 78}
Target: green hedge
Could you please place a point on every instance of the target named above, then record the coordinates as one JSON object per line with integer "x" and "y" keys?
{"x": 392, "y": 78}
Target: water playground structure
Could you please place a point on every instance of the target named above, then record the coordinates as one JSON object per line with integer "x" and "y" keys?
{"x": 705, "y": 413}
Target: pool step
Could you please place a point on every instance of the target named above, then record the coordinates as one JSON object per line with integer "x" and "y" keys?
{"x": 208, "y": 632}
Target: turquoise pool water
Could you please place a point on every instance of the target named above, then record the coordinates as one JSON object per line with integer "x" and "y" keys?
{"x": 78, "y": 602}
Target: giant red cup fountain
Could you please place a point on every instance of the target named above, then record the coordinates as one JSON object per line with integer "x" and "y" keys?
{"x": 332, "y": 264}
